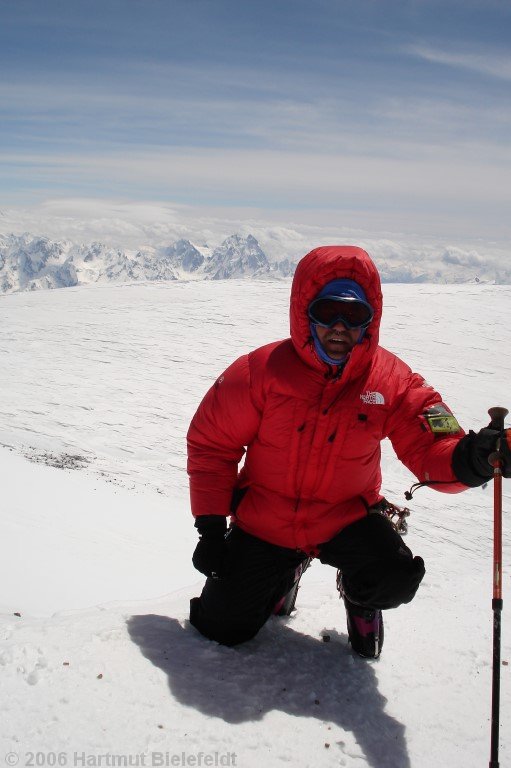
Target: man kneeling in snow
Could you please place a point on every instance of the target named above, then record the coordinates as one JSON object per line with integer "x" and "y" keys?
{"x": 311, "y": 411}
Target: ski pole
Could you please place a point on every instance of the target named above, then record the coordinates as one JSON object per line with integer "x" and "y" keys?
{"x": 497, "y": 416}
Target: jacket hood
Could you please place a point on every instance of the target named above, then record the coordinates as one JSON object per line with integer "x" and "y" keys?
{"x": 319, "y": 267}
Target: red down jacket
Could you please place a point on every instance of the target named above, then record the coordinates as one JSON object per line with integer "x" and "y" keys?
{"x": 312, "y": 441}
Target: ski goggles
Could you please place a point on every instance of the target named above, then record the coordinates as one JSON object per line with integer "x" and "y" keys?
{"x": 329, "y": 310}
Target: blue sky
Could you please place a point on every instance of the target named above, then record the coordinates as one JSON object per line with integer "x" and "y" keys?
{"x": 393, "y": 113}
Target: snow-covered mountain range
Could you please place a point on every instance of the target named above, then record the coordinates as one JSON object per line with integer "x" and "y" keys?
{"x": 29, "y": 262}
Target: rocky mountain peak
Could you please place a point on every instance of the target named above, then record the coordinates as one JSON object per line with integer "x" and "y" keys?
{"x": 183, "y": 255}
{"x": 237, "y": 256}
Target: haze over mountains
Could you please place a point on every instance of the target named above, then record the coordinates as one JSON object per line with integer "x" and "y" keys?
{"x": 29, "y": 262}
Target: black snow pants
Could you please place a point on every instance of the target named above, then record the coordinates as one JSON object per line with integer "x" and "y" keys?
{"x": 379, "y": 571}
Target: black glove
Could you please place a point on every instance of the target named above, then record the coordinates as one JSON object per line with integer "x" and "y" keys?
{"x": 210, "y": 552}
{"x": 470, "y": 457}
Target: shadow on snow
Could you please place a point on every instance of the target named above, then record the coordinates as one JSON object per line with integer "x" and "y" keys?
{"x": 280, "y": 669}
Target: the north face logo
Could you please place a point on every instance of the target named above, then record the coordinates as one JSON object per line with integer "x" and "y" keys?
{"x": 373, "y": 398}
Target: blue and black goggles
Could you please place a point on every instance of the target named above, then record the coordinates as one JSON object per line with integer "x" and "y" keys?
{"x": 329, "y": 310}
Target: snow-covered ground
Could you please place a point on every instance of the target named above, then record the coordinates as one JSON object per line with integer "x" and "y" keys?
{"x": 101, "y": 667}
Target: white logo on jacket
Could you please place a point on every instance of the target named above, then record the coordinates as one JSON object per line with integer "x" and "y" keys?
{"x": 372, "y": 398}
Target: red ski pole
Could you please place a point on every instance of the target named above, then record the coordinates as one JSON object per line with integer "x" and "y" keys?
{"x": 497, "y": 416}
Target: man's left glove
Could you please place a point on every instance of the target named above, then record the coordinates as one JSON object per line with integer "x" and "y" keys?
{"x": 470, "y": 457}
{"x": 210, "y": 552}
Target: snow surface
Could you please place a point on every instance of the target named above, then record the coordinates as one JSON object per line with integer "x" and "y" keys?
{"x": 98, "y": 386}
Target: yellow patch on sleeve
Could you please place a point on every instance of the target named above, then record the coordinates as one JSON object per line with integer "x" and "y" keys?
{"x": 441, "y": 422}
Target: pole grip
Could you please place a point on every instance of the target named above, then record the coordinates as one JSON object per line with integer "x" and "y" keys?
{"x": 497, "y": 416}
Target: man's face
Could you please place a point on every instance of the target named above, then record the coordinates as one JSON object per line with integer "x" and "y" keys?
{"x": 338, "y": 340}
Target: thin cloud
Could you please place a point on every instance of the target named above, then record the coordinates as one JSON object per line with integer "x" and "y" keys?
{"x": 305, "y": 179}
{"x": 260, "y": 109}
{"x": 96, "y": 118}
{"x": 497, "y": 66}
